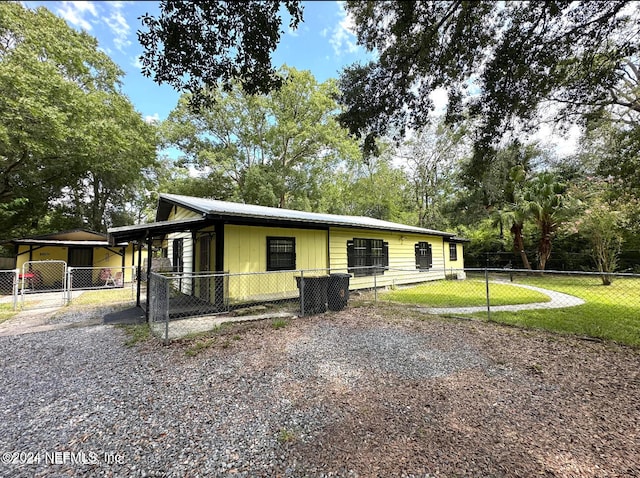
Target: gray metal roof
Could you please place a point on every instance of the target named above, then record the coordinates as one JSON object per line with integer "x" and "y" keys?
{"x": 215, "y": 208}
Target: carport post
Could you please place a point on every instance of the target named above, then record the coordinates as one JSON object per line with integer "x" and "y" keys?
{"x": 149, "y": 254}
{"x": 139, "y": 274}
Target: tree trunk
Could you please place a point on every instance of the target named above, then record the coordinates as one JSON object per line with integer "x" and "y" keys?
{"x": 518, "y": 244}
{"x": 544, "y": 250}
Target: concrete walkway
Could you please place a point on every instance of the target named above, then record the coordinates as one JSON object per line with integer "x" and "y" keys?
{"x": 558, "y": 301}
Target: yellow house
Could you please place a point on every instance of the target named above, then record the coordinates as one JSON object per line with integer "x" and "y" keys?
{"x": 78, "y": 248}
{"x": 204, "y": 237}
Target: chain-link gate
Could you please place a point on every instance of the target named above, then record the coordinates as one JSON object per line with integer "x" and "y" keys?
{"x": 43, "y": 284}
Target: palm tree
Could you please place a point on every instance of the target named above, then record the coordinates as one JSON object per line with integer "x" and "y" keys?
{"x": 544, "y": 201}
{"x": 513, "y": 216}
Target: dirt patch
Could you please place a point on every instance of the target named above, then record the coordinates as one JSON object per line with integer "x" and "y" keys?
{"x": 410, "y": 397}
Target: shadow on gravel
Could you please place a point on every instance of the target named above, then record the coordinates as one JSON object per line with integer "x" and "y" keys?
{"x": 133, "y": 315}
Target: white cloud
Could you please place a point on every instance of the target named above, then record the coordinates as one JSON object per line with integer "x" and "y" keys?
{"x": 76, "y": 13}
{"x": 118, "y": 26}
{"x": 152, "y": 119}
{"x": 343, "y": 38}
{"x": 136, "y": 63}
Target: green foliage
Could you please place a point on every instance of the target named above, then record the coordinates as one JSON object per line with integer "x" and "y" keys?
{"x": 136, "y": 333}
{"x": 274, "y": 150}
{"x": 195, "y": 46}
{"x": 498, "y": 61}
{"x": 66, "y": 131}
{"x": 464, "y": 294}
{"x": 279, "y": 324}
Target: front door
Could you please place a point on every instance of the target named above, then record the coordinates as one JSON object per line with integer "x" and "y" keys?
{"x": 81, "y": 257}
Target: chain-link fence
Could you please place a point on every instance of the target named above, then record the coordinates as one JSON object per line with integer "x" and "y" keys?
{"x": 115, "y": 284}
{"x": 43, "y": 284}
{"x": 186, "y": 303}
{"x": 505, "y": 293}
{"x": 9, "y": 287}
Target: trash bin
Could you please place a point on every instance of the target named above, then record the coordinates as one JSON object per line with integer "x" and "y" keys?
{"x": 338, "y": 291}
{"x": 313, "y": 294}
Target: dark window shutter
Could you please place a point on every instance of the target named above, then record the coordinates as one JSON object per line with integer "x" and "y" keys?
{"x": 430, "y": 256}
{"x": 385, "y": 255}
{"x": 417, "y": 249}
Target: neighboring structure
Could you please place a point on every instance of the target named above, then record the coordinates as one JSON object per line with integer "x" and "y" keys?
{"x": 77, "y": 248}
{"x": 200, "y": 235}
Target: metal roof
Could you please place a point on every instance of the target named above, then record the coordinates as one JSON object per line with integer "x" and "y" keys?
{"x": 213, "y": 208}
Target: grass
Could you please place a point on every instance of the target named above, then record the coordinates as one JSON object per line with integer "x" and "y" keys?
{"x": 136, "y": 333}
{"x": 610, "y": 312}
{"x": 279, "y": 324}
{"x": 286, "y": 436}
{"x": 6, "y": 312}
{"x": 463, "y": 294}
{"x": 102, "y": 297}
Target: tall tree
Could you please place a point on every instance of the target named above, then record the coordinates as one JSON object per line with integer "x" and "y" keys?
{"x": 432, "y": 158}
{"x": 273, "y": 148}
{"x": 63, "y": 120}
{"x": 196, "y": 46}
{"x": 544, "y": 202}
{"x": 501, "y": 61}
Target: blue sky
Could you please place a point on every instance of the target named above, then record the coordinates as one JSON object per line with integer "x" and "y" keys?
{"x": 324, "y": 44}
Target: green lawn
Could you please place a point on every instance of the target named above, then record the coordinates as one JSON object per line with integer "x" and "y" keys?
{"x": 611, "y": 312}
{"x": 6, "y": 312}
{"x": 100, "y": 297}
{"x": 463, "y": 294}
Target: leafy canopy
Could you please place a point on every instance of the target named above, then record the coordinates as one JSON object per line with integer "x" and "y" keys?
{"x": 196, "y": 46}
{"x": 273, "y": 149}
{"x": 65, "y": 128}
{"x": 500, "y": 61}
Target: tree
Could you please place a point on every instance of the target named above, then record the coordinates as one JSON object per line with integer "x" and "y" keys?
{"x": 273, "y": 148}
{"x": 432, "y": 160}
{"x": 544, "y": 201}
{"x": 499, "y": 61}
{"x": 198, "y": 46}
{"x": 66, "y": 131}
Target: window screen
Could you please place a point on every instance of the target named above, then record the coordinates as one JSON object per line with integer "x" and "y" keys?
{"x": 281, "y": 253}
{"x": 453, "y": 252}
{"x": 424, "y": 257}
{"x": 367, "y": 256}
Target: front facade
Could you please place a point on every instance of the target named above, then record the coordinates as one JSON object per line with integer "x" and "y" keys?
{"x": 76, "y": 248}
{"x": 239, "y": 240}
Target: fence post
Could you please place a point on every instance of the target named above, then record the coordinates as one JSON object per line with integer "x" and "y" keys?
{"x": 166, "y": 310}
{"x": 16, "y": 279}
{"x": 301, "y": 293}
{"x": 375, "y": 286}
{"x": 69, "y": 287}
{"x": 486, "y": 281}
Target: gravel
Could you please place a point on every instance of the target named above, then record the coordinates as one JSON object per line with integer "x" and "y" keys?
{"x": 362, "y": 392}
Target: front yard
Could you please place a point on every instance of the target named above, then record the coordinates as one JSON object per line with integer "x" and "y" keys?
{"x": 609, "y": 312}
{"x": 369, "y": 391}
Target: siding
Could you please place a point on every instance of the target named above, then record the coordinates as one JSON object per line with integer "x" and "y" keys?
{"x": 246, "y": 251}
{"x": 457, "y": 264}
{"x": 187, "y": 245}
{"x": 402, "y": 263}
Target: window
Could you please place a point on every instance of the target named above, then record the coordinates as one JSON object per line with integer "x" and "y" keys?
{"x": 178, "y": 257}
{"x": 367, "y": 256}
{"x": 424, "y": 257}
{"x": 453, "y": 252}
{"x": 281, "y": 253}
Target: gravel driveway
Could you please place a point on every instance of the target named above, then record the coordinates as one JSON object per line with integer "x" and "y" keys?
{"x": 363, "y": 392}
